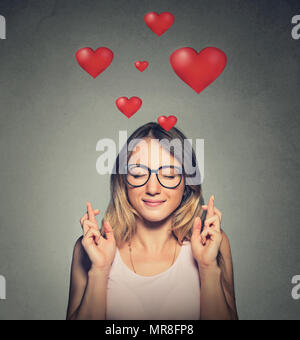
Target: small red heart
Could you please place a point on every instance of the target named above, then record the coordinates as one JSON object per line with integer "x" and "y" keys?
{"x": 141, "y": 65}
{"x": 167, "y": 123}
{"x": 159, "y": 23}
{"x": 94, "y": 62}
{"x": 198, "y": 70}
{"x": 129, "y": 106}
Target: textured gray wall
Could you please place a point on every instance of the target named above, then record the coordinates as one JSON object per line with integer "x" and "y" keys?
{"x": 53, "y": 114}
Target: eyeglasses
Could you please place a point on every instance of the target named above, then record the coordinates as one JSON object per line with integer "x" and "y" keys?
{"x": 169, "y": 176}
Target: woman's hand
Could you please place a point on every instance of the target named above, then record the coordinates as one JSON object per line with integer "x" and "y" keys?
{"x": 206, "y": 245}
{"x": 100, "y": 251}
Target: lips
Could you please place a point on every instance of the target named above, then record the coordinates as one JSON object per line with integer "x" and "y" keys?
{"x": 153, "y": 203}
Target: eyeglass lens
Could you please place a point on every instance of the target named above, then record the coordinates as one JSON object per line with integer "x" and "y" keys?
{"x": 168, "y": 176}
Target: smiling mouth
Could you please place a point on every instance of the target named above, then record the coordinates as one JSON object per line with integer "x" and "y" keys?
{"x": 153, "y": 203}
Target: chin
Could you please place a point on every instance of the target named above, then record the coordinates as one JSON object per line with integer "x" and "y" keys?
{"x": 154, "y": 217}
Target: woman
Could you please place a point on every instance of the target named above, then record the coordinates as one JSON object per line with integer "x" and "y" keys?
{"x": 156, "y": 249}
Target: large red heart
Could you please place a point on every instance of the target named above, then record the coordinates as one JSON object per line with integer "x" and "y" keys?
{"x": 94, "y": 62}
{"x": 129, "y": 106}
{"x": 198, "y": 70}
{"x": 141, "y": 65}
{"x": 159, "y": 23}
{"x": 167, "y": 123}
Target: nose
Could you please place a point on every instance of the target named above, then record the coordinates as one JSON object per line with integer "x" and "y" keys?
{"x": 152, "y": 186}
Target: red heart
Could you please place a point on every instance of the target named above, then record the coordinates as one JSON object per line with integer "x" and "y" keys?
{"x": 94, "y": 62}
{"x": 129, "y": 106}
{"x": 159, "y": 24}
{"x": 198, "y": 70}
{"x": 167, "y": 123}
{"x": 141, "y": 65}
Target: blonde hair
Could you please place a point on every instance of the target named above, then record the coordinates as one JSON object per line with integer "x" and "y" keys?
{"x": 121, "y": 214}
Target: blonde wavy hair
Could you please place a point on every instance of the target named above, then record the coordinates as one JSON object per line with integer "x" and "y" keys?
{"x": 121, "y": 214}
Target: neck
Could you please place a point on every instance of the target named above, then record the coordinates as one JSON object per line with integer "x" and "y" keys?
{"x": 153, "y": 237}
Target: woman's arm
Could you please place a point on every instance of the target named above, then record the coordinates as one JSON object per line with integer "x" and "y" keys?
{"x": 87, "y": 298}
{"x": 92, "y": 258}
{"x": 216, "y": 274}
{"x": 227, "y": 278}
{"x": 217, "y": 287}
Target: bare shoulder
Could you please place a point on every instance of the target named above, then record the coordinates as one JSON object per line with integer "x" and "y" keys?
{"x": 228, "y": 276}
{"x": 225, "y": 245}
{"x": 78, "y": 245}
{"x": 80, "y": 257}
{"x": 78, "y": 279}
{"x": 78, "y": 248}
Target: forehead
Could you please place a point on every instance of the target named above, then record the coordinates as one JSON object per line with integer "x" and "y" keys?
{"x": 151, "y": 153}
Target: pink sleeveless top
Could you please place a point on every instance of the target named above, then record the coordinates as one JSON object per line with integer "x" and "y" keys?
{"x": 171, "y": 295}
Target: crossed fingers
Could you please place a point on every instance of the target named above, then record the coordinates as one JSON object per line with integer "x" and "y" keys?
{"x": 212, "y": 223}
{"x": 89, "y": 219}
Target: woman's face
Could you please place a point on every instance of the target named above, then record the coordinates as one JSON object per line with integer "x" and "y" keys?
{"x": 151, "y": 154}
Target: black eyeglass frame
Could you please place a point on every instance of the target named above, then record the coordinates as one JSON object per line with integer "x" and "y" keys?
{"x": 150, "y": 171}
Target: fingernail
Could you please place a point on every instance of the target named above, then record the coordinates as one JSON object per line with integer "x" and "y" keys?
{"x": 213, "y": 197}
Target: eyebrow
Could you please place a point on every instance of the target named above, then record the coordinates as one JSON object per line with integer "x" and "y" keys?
{"x": 177, "y": 166}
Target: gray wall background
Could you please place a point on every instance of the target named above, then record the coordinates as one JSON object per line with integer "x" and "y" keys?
{"x": 53, "y": 113}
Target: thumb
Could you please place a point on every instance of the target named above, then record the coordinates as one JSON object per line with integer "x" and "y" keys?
{"x": 108, "y": 231}
{"x": 196, "y": 227}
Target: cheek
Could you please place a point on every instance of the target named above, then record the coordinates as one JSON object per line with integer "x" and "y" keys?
{"x": 134, "y": 194}
{"x": 176, "y": 195}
